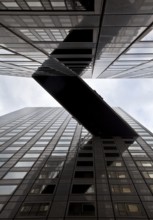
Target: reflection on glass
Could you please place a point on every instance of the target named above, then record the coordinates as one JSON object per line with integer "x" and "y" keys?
{"x": 13, "y": 148}
{"x": 59, "y": 154}
{"x": 7, "y": 189}
{"x": 34, "y": 209}
{"x": 128, "y": 209}
{"x": 43, "y": 189}
{"x": 6, "y": 155}
{"x": 83, "y": 189}
{"x": 121, "y": 189}
{"x": 24, "y": 164}
{"x": 31, "y": 155}
{"x": 10, "y": 4}
{"x": 1, "y": 163}
{"x": 15, "y": 175}
{"x": 148, "y": 37}
{"x": 49, "y": 175}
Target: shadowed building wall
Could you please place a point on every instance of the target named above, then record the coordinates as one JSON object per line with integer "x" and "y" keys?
{"x": 52, "y": 168}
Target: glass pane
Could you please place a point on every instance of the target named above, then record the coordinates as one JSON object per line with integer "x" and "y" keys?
{"x": 31, "y": 155}
{"x": 15, "y": 175}
{"x": 6, "y": 155}
{"x": 126, "y": 189}
{"x": 7, "y": 189}
{"x": 148, "y": 37}
{"x": 133, "y": 208}
{"x": 24, "y": 164}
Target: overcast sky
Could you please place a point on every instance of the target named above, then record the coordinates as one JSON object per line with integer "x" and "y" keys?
{"x": 135, "y": 96}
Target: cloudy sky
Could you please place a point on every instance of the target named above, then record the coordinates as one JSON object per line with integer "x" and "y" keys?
{"x": 134, "y": 96}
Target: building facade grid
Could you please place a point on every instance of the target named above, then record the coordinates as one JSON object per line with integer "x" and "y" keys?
{"x": 52, "y": 168}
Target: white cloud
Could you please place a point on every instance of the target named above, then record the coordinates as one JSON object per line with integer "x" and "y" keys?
{"x": 19, "y": 92}
{"x": 133, "y": 95}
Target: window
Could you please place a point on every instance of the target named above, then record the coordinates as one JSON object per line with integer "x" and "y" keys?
{"x": 34, "y": 4}
{"x": 7, "y": 189}
{"x": 81, "y": 209}
{"x": 25, "y": 138}
{"x": 4, "y": 138}
{"x": 115, "y": 163}
{"x": 10, "y": 4}
{"x": 148, "y": 175}
{"x": 129, "y": 142}
{"x": 59, "y": 154}
{"x": 68, "y": 134}
{"x": 134, "y": 148}
{"x": 45, "y": 138}
{"x": 24, "y": 164}
{"x": 43, "y": 189}
{"x": 64, "y": 142}
{"x": 85, "y": 163}
{"x": 66, "y": 138}
{"x": 121, "y": 189}
{"x": 1, "y": 163}
{"x": 15, "y": 175}
{"x": 144, "y": 163}
{"x": 149, "y": 142}
{"x": 149, "y": 138}
{"x": 110, "y": 148}
{"x": 139, "y": 154}
{"x": 83, "y": 174}
{"x": 148, "y": 37}
{"x": 31, "y": 155}
{"x": 6, "y": 155}
{"x": 13, "y": 148}
{"x": 37, "y": 148}
{"x": 34, "y": 209}
{"x": 112, "y": 155}
{"x": 41, "y": 142}
{"x": 61, "y": 149}
{"x": 83, "y": 189}
{"x": 108, "y": 142}
{"x": 139, "y": 51}
{"x": 58, "y": 4}
{"x": 85, "y": 155}
{"x": 86, "y": 147}
{"x": 128, "y": 209}
{"x": 118, "y": 175}
{"x": 56, "y": 164}
{"x": 19, "y": 142}
{"x": 49, "y": 175}
{"x": 30, "y": 134}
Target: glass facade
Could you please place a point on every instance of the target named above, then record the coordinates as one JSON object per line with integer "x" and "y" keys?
{"x": 53, "y": 168}
{"x": 93, "y": 38}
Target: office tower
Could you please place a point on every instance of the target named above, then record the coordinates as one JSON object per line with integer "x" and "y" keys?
{"x": 94, "y": 39}
{"x": 53, "y": 168}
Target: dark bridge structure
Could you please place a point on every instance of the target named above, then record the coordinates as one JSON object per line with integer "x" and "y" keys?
{"x": 83, "y": 103}
{"x": 60, "y": 75}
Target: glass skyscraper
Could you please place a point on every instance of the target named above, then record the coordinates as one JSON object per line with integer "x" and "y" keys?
{"x": 53, "y": 168}
{"x": 92, "y": 38}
